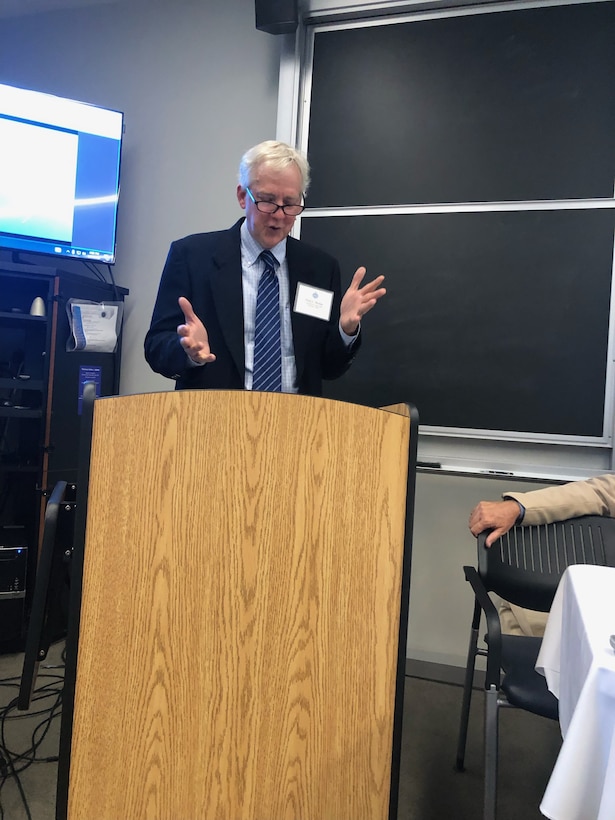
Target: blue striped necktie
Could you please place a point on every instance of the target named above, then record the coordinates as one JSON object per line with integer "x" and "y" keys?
{"x": 267, "y": 372}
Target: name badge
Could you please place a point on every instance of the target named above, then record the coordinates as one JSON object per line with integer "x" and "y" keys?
{"x": 313, "y": 301}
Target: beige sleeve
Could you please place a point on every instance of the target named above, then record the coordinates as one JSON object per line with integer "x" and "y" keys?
{"x": 596, "y": 496}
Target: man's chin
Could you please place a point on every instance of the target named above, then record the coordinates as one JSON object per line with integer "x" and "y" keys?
{"x": 272, "y": 237}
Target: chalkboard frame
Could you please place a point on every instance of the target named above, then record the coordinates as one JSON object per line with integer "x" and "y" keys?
{"x": 484, "y": 447}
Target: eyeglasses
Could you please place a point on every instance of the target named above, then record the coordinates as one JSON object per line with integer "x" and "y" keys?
{"x": 266, "y": 207}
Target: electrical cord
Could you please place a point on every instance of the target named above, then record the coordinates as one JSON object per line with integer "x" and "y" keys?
{"x": 113, "y": 285}
{"x": 12, "y": 762}
{"x": 93, "y": 269}
{"x": 100, "y": 275}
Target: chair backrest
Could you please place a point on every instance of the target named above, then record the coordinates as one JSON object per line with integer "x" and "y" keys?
{"x": 525, "y": 565}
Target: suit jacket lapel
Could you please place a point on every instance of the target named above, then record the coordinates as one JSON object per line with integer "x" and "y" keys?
{"x": 227, "y": 293}
{"x": 298, "y": 271}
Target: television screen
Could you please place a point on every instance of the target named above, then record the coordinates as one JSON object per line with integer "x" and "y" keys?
{"x": 60, "y": 171}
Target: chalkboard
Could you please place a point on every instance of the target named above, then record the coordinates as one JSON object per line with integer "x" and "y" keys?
{"x": 495, "y": 321}
{"x": 507, "y": 105}
{"x": 496, "y": 318}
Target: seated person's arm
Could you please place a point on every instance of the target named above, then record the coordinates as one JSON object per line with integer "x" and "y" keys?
{"x": 595, "y": 496}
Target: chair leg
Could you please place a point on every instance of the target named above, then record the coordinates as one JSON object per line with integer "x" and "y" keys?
{"x": 491, "y": 752}
{"x": 467, "y": 697}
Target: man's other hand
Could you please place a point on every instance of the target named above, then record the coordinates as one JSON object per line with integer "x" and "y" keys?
{"x": 358, "y": 301}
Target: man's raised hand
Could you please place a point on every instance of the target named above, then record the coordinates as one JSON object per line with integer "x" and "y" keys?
{"x": 357, "y": 301}
{"x": 193, "y": 336}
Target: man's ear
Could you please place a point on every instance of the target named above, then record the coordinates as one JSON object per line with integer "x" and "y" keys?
{"x": 241, "y": 196}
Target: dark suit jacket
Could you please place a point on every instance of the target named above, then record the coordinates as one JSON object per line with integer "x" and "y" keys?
{"x": 206, "y": 269}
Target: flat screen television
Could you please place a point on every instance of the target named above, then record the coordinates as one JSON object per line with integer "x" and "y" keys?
{"x": 60, "y": 172}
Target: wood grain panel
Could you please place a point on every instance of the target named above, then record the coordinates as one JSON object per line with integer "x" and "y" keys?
{"x": 240, "y": 611}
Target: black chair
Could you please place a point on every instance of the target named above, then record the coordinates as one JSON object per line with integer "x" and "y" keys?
{"x": 524, "y": 567}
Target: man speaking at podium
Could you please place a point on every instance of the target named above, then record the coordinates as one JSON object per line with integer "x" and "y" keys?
{"x": 251, "y": 307}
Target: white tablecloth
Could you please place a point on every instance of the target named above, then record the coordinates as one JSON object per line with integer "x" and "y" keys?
{"x": 578, "y": 663}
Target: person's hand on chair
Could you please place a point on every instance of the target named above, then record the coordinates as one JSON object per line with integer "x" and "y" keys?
{"x": 499, "y": 516}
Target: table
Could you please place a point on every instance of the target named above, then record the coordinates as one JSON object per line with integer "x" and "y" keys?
{"x": 578, "y": 663}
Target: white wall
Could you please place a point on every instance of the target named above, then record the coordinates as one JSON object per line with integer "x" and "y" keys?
{"x": 198, "y": 85}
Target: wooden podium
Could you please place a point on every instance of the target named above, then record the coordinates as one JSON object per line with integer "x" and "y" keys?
{"x": 238, "y": 651}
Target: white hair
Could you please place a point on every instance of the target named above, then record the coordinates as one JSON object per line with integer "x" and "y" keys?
{"x": 276, "y": 155}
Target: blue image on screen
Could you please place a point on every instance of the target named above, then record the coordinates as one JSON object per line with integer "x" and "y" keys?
{"x": 96, "y": 193}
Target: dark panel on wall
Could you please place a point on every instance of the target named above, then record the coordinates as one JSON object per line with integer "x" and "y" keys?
{"x": 514, "y": 105}
{"x": 495, "y": 321}
{"x": 276, "y": 16}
